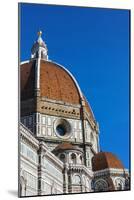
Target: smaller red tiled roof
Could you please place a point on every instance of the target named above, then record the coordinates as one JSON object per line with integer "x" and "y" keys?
{"x": 65, "y": 146}
{"x": 104, "y": 160}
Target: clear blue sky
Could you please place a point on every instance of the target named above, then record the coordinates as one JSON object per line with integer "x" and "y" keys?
{"x": 93, "y": 44}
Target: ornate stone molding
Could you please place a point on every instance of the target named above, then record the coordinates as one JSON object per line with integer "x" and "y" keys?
{"x": 111, "y": 171}
{"x": 27, "y": 136}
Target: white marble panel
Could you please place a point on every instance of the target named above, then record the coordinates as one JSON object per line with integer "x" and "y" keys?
{"x": 49, "y": 131}
{"x": 43, "y": 120}
{"x": 49, "y": 121}
{"x": 43, "y": 130}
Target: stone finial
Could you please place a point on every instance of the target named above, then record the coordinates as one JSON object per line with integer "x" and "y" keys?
{"x": 39, "y": 33}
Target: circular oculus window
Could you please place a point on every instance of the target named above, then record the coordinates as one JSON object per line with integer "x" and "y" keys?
{"x": 62, "y": 128}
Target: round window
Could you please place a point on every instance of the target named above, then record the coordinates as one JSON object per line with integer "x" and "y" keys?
{"x": 62, "y": 128}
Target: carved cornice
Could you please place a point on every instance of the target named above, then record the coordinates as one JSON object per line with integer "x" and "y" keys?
{"x": 111, "y": 172}
{"x": 80, "y": 168}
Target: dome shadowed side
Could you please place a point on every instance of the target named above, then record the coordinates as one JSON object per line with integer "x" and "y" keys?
{"x": 105, "y": 160}
{"x": 27, "y": 80}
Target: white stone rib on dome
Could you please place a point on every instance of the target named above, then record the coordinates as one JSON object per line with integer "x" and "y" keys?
{"x": 24, "y": 62}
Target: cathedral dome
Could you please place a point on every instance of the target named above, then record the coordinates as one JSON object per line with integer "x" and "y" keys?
{"x": 55, "y": 82}
{"x": 50, "y": 80}
{"x": 104, "y": 160}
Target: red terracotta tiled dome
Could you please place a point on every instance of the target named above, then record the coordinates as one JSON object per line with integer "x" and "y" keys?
{"x": 55, "y": 83}
{"x": 104, "y": 160}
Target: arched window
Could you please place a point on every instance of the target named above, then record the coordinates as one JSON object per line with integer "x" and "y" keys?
{"x": 119, "y": 184}
{"x": 76, "y": 179}
{"x": 62, "y": 157}
{"x": 73, "y": 158}
{"x": 101, "y": 185}
{"x": 81, "y": 160}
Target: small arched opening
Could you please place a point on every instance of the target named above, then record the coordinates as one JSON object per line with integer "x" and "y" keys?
{"x": 73, "y": 158}
{"x": 76, "y": 180}
{"x": 62, "y": 157}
